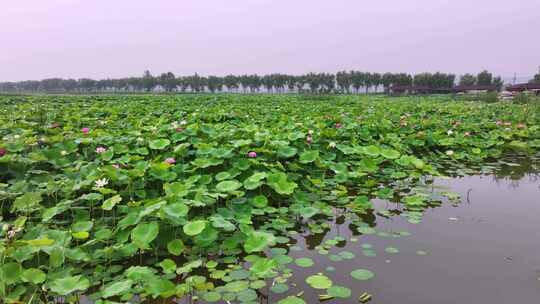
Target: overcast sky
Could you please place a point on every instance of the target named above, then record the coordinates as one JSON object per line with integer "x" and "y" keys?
{"x": 117, "y": 38}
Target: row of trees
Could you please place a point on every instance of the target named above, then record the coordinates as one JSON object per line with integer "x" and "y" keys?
{"x": 483, "y": 78}
{"x": 345, "y": 81}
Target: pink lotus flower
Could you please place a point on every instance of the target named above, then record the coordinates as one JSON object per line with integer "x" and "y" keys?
{"x": 179, "y": 129}
{"x": 2, "y": 152}
{"x": 521, "y": 126}
{"x": 309, "y": 139}
{"x": 85, "y": 130}
{"x": 170, "y": 161}
{"x": 498, "y": 122}
{"x": 252, "y": 154}
{"x": 507, "y": 124}
{"x": 338, "y": 125}
{"x": 100, "y": 150}
{"x": 466, "y": 134}
{"x": 54, "y": 125}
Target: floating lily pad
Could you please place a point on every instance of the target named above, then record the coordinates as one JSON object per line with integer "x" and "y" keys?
{"x": 335, "y": 258}
{"x": 391, "y": 250}
{"x": 339, "y": 292}
{"x": 319, "y": 281}
{"x": 279, "y": 288}
{"x": 211, "y": 296}
{"x": 304, "y": 262}
{"x": 347, "y": 255}
{"x": 362, "y": 274}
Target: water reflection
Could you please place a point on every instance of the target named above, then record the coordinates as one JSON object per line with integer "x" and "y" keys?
{"x": 476, "y": 250}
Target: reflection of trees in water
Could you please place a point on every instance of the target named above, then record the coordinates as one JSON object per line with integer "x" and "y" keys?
{"x": 520, "y": 169}
{"x": 512, "y": 171}
{"x": 315, "y": 239}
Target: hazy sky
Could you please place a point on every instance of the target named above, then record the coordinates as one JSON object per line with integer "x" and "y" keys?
{"x": 116, "y": 38}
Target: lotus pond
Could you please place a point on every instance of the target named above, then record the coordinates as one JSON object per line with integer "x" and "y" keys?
{"x": 272, "y": 199}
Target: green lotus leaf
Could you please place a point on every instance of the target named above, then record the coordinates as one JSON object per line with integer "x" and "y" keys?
{"x": 144, "y": 233}
{"x": 168, "y": 265}
{"x": 287, "y": 152}
{"x": 264, "y": 268}
{"x": 193, "y": 228}
{"x": 140, "y": 273}
{"x": 236, "y": 286}
{"x": 81, "y": 235}
{"x": 247, "y": 296}
{"x": 27, "y": 202}
{"x": 211, "y": 296}
{"x": 160, "y": 288}
{"x": 67, "y": 285}
{"x": 117, "y": 288}
{"x": 176, "y": 210}
{"x": 319, "y": 281}
{"x": 309, "y": 156}
{"x": 10, "y": 272}
{"x": 390, "y": 154}
{"x": 228, "y": 186}
{"x": 308, "y": 212}
{"x": 159, "y": 144}
{"x": 175, "y": 247}
{"x": 304, "y": 262}
{"x": 255, "y": 180}
{"x": 278, "y": 182}
{"x": 372, "y": 150}
{"x": 257, "y": 241}
{"x": 111, "y": 202}
{"x": 40, "y": 242}
{"x": 279, "y": 288}
{"x": 82, "y": 226}
{"x": 34, "y": 276}
{"x": 339, "y": 292}
{"x": 362, "y": 274}
{"x": 176, "y": 189}
{"x": 259, "y": 201}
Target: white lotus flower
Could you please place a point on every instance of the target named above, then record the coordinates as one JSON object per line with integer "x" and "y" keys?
{"x": 100, "y": 183}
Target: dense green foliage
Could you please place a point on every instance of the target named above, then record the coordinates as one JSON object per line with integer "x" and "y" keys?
{"x": 163, "y": 196}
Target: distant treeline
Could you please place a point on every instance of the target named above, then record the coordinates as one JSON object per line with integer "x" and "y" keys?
{"x": 344, "y": 82}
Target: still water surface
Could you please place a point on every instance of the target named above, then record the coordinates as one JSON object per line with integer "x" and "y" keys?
{"x": 485, "y": 249}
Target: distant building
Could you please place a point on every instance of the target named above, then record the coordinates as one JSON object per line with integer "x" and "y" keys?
{"x": 474, "y": 88}
{"x": 522, "y": 87}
